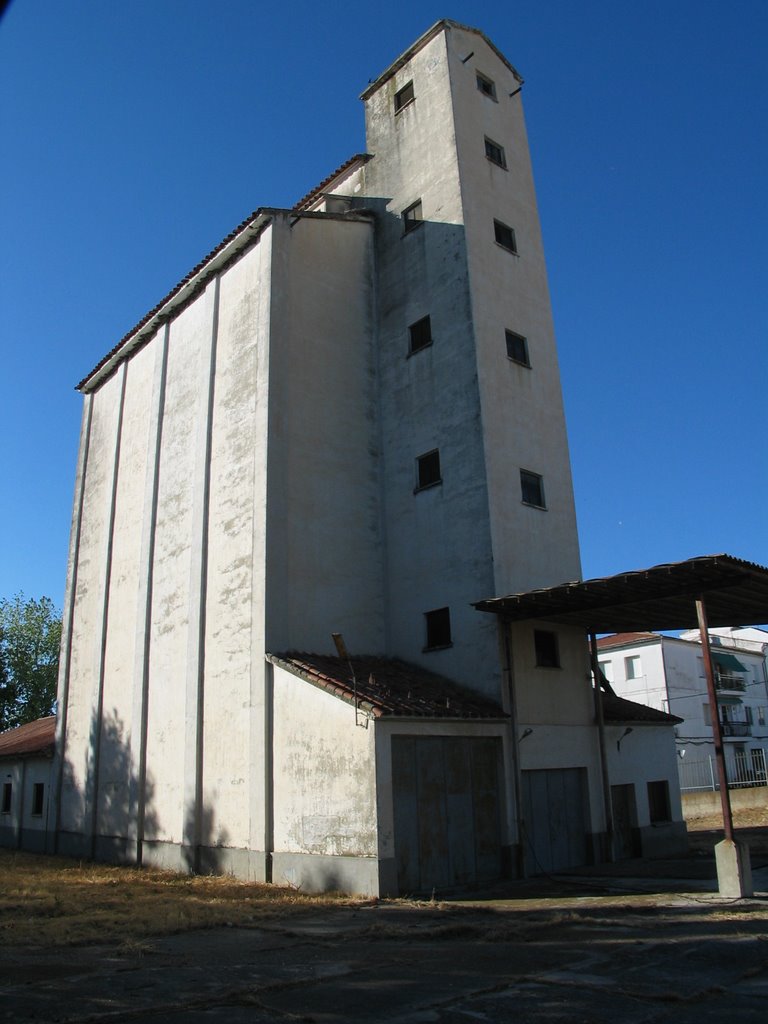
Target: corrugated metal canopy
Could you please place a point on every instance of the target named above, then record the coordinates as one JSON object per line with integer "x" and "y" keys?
{"x": 660, "y": 598}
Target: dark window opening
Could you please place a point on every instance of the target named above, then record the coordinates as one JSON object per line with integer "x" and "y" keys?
{"x": 658, "y": 801}
{"x": 486, "y": 86}
{"x": 38, "y": 797}
{"x": 517, "y": 348}
{"x": 546, "y": 647}
{"x": 7, "y": 797}
{"x": 505, "y": 236}
{"x": 495, "y": 153}
{"x": 532, "y": 487}
{"x": 428, "y": 470}
{"x": 412, "y": 216}
{"x": 403, "y": 97}
{"x": 438, "y": 624}
{"x": 420, "y": 334}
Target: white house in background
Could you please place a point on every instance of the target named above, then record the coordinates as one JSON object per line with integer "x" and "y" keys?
{"x": 642, "y": 768}
{"x": 668, "y": 673}
{"x": 26, "y": 754}
{"x": 346, "y": 419}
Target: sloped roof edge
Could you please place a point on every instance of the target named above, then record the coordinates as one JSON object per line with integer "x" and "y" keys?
{"x": 33, "y": 738}
{"x": 389, "y": 687}
{"x": 421, "y": 42}
{"x": 620, "y": 711}
{"x": 659, "y": 598}
{"x": 245, "y": 234}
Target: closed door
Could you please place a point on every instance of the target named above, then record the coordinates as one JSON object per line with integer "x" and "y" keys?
{"x": 445, "y": 791}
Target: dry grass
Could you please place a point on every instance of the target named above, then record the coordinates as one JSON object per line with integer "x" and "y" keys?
{"x": 51, "y": 901}
{"x": 748, "y": 817}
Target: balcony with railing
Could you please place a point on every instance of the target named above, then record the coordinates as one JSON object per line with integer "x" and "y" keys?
{"x": 730, "y": 681}
{"x": 736, "y": 728}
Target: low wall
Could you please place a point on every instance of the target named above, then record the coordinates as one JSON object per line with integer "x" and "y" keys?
{"x": 697, "y": 805}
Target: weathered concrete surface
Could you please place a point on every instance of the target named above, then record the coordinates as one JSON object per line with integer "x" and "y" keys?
{"x": 557, "y": 951}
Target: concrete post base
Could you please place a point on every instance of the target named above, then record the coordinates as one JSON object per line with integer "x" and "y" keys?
{"x": 734, "y": 871}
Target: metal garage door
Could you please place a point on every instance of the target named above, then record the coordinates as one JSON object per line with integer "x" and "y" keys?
{"x": 556, "y": 819}
{"x": 445, "y": 792}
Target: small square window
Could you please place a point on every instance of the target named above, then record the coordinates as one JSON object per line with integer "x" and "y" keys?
{"x": 658, "y": 801}
{"x": 403, "y": 97}
{"x": 420, "y": 334}
{"x": 38, "y": 798}
{"x": 505, "y": 236}
{"x": 606, "y": 667}
{"x": 7, "y": 797}
{"x": 412, "y": 216}
{"x": 633, "y": 668}
{"x": 517, "y": 348}
{"x": 486, "y": 86}
{"x": 495, "y": 153}
{"x": 546, "y": 648}
{"x": 438, "y": 625}
{"x": 428, "y": 470}
{"x": 532, "y": 487}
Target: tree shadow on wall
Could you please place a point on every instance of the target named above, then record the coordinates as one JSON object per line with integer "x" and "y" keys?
{"x": 205, "y": 847}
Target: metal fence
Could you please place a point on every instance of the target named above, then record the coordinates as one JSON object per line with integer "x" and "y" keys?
{"x": 743, "y": 770}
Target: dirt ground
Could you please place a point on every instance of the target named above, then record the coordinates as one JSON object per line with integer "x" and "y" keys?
{"x": 643, "y": 943}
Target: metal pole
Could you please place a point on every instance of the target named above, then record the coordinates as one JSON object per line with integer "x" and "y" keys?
{"x": 725, "y": 796}
{"x": 601, "y": 739}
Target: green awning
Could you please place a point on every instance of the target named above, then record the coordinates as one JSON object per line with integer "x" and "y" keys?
{"x": 728, "y": 700}
{"x": 728, "y": 662}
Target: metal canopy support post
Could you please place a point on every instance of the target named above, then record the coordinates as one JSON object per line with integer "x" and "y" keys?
{"x": 601, "y": 739}
{"x": 734, "y": 872}
{"x": 717, "y": 732}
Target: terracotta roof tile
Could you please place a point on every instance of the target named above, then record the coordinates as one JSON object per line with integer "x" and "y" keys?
{"x": 32, "y": 738}
{"x": 622, "y": 639}
{"x": 388, "y": 687}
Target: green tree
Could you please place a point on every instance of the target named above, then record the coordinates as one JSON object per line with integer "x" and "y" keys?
{"x": 30, "y": 635}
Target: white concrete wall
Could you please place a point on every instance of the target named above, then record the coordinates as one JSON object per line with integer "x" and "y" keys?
{"x": 650, "y": 686}
{"x": 522, "y": 410}
{"x": 233, "y": 699}
{"x": 85, "y": 659}
{"x": 324, "y": 774}
{"x": 324, "y": 550}
{"x": 117, "y": 754}
{"x": 647, "y": 754}
{"x": 21, "y": 827}
{"x": 176, "y": 572}
{"x": 438, "y": 541}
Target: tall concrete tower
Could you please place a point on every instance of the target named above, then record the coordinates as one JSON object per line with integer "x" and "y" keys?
{"x": 345, "y": 419}
{"x": 470, "y": 395}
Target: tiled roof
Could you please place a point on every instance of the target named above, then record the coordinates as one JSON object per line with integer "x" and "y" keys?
{"x": 387, "y": 687}
{"x": 32, "y": 738}
{"x": 617, "y": 709}
{"x": 254, "y": 220}
{"x": 361, "y": 158}
{"x": 626, "y": 639}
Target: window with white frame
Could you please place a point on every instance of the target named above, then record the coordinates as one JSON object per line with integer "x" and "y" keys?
{"x": 633, "y": 668}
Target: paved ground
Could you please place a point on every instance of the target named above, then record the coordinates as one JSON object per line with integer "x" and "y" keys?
{"x": 637, "y": 945}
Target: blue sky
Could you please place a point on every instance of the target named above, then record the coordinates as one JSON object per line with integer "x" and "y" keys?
{"x": 136, "y": 135}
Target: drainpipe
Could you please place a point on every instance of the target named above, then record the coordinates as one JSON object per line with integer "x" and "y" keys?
{"x": 601, "y": 741}
{"x": 514, "y": 748}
